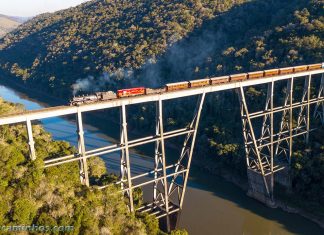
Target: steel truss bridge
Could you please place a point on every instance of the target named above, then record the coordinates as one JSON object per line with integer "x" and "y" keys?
{"x": 268, "y": 147}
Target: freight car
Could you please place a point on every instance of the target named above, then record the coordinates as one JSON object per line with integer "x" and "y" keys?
{"x": 271, "y": 72}
{"x": 219, "y": 80}
{"x": 176, "y": 86}
{"x": 315, "y": 66}
{"x": 301, "y": 68}
{"x": 287, "y": 70}
{"x": 238, "y": 77}
{"x": 254, "y": 75}
{"x": 199, "y": 82}
{"x": 150, "y": 91}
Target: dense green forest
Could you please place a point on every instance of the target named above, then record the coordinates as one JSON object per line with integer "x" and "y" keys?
{"x": 308, "y": 173}
{"x": 104, "y": 45}
{"x": 253, "y": 36}
{"x": 54, "y": 196}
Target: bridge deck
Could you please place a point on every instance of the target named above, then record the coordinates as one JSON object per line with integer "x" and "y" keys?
{"x": 68, "y": 110}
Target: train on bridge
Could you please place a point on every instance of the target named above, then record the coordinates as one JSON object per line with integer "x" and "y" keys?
{"x": 109, "y": 95}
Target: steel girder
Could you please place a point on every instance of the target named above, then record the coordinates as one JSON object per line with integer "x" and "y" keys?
{"x": 319, "y": 108}
{"x": 125, "y": 170}
{"x": 83, "y": 166}
{"x": 284, "y": 145}
{"x": 160, "y": 187}
{"x": 170, "y": 181}
{"x": 179, "y": 181}
{"x": 31, "y": 143}
{"x": 303, "y": 121}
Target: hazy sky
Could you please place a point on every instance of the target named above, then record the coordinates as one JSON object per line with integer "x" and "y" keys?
{"x": 34, "y": 7}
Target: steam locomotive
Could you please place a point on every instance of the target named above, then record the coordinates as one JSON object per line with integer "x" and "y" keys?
{"x": 109, "y": 95}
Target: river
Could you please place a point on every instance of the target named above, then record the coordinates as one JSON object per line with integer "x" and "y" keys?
{"x": 212, "y": 205}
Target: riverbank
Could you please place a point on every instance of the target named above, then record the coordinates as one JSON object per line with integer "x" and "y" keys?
{"x": 37, "y": 94}
{"x": 280, "y": 202}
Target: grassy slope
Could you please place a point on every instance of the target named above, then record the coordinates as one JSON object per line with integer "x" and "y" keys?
{"x": 7, "y": 24}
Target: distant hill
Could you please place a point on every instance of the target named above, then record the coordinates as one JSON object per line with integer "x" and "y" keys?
{"x": 20, "y": 19}
{"x": 8, "y": 23}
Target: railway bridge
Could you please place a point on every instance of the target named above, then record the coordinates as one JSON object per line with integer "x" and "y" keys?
{"x": 268, "y": 138}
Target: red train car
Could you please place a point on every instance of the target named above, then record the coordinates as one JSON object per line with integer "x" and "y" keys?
{"x": 131, "y": 92}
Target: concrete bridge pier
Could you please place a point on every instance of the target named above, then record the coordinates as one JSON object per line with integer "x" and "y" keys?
{"x": 170, "y": 222}
{"x": 257, "y": 187}
{"x": 283, "y": 178}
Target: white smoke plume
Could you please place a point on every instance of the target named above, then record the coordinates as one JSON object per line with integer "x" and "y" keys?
{"x": 178, "y": 61}
{"x": 94, "y": 84}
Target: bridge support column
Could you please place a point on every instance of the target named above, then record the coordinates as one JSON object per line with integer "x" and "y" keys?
{"x": 160, "y": 190}
{"x": 168, "y": 195}
{"x": 266, "y": 146}
{"x": 319, "y": 108}
{"x": 179, "y": 181}
{"x": 31, "y": 143}
{"x": 84, "y": 175}
{"x": 125, "y": 170}
{"x": 303, "y": 121}
{"x": 259, "y": 155}
{"x": 284, "y": 141}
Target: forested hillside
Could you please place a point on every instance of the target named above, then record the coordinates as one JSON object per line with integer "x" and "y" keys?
{"x": 253, "y": 36}
{"x": 308, "y": 174}
{"x": 54, "y": 50}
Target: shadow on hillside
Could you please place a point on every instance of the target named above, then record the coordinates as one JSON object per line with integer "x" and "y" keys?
{"x": 195, "y": 55}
